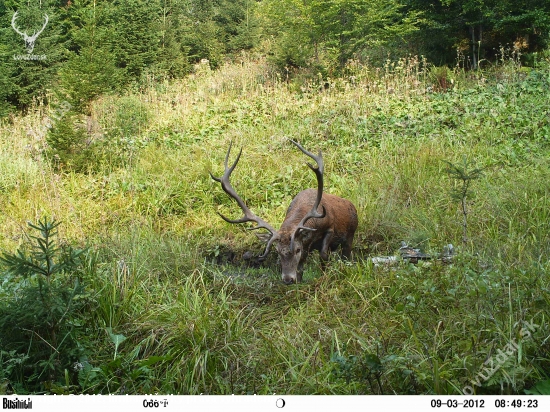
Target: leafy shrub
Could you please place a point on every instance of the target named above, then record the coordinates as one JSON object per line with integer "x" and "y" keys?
{"x": 73, "y": 145}
{"x": 123, "y": 122}
{"x": 365, "y": 369}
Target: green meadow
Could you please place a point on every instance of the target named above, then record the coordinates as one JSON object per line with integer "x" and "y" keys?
{"x": 143, "y": 288}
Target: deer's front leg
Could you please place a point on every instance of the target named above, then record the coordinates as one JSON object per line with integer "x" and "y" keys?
{"x": 323, "y": 253}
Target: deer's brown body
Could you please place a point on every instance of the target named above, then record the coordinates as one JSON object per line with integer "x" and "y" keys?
{"x": 305, "y": 228}
{"x": 337, "y": 228}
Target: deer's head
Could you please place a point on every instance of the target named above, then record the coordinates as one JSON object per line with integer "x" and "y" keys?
{"x": 294, "y": 237}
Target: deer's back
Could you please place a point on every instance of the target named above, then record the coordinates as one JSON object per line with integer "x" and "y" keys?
{"x": 341, "y": 215}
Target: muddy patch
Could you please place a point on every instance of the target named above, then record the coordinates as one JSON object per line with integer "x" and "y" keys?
{"x": 236, "y": 261}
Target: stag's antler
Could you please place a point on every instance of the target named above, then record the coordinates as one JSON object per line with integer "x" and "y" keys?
{"x": 248, "y": 215}
{"x": 313, "y": 213}
{"x": 29, "y": 40}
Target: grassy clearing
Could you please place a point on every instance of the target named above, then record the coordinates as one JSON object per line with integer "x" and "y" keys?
{"x": 167, "y": 273}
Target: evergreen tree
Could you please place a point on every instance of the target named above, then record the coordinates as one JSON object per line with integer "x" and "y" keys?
{"x": 172, "y": 58}
{"x": 137, "y": 35}
{"x": 91, "y": 68}
{"x": 238, "y": 24}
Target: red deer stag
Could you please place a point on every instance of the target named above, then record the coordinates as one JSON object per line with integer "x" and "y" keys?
{"x": 305, "y": 228}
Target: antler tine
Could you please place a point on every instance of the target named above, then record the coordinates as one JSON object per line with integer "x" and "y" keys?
{"x": 248, "y": 216}
{"x": 44, "y": 26}
{"x": 268, "y": 247}
{"x": 13, "y": 24}
{"x": 313, "y": 213}
{"x": 35, "y": 34}
{"x": 319, "y": 170}
{"x": 228, "y": 170}
{"x": 318, "y": 159}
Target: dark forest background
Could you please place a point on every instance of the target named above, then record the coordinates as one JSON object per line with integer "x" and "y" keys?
{"x": 94, "y": 46}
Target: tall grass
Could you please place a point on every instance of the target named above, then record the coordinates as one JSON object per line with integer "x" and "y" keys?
{"x": 168, "y": 273}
